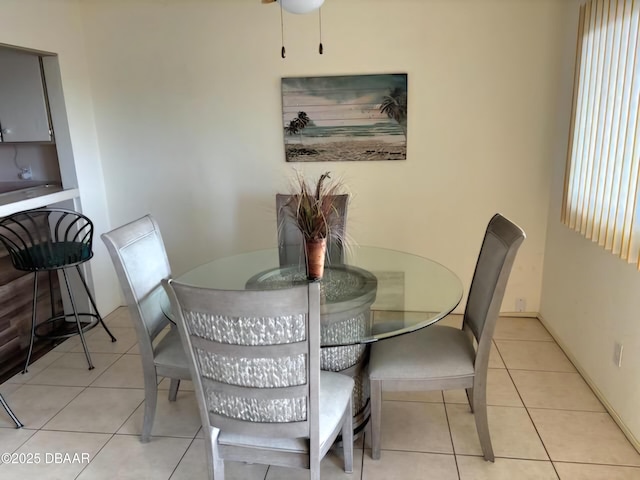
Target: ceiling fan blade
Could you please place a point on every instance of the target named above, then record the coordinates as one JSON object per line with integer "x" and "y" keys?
{"x": 268, "y": 1}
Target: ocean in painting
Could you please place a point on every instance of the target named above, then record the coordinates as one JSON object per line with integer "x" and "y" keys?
{"x": 347, "y": 132}
{"x": 381, "y": 141}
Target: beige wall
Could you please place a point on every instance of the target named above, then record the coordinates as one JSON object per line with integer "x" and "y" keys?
{"x": 56, "y": 26}
{"x": 590, "y": 301}
{"x": 187, "y": 100}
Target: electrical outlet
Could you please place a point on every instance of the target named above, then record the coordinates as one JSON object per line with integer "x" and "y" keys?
{"x": 25, "y": 173}
{"x": 617, "y": 354}
{"x": 521, "y": 304}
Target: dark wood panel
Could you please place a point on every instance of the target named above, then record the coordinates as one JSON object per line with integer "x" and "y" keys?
{"x": 10, "y": 350}
{"x": 16, "y": 297}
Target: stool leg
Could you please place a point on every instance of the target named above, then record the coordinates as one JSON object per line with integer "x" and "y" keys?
{"x": 75, "y": 313}
{"x": 33, "y": 320}
{"x": 51, "y": 298}
{"x": 93, "y": 304}
{"x": 11, "y": 414}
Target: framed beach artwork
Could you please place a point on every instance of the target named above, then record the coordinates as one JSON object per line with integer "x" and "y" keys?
{"x": 345, "y": 118}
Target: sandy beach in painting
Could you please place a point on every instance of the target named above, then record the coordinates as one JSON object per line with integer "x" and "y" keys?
{"x": 330, "y": 150}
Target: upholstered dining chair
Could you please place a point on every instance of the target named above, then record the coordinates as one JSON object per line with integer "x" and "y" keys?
{"x": 141, "y": 262}
{"x": 290, "y": 242}
{"x": 445, "y": 358}
{"x": 255, "y": 361}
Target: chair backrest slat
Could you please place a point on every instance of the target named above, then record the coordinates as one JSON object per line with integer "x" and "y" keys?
{"x": 251, "y": 356}
{"x": 260, "y": 393}
{"x": 257, "y": 351}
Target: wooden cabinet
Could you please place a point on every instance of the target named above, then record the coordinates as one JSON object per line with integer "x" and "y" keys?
{"x": 24, "y": 114}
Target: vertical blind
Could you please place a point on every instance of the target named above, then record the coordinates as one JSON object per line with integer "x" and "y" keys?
{"x": 603, "y": 161}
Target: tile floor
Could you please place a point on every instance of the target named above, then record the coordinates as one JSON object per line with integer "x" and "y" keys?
{"x": 545, "y": 421}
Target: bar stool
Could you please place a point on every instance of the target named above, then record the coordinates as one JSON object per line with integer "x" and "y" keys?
{"x": 11, "y": 414}
{"x": 51, "y": 239}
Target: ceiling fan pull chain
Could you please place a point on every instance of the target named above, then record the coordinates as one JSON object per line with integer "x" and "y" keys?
{"x": 320, "y": 47}
{"x": 283, "y": 52}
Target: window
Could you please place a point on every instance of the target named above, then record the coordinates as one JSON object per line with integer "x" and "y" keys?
{"x": 603, "y": 161}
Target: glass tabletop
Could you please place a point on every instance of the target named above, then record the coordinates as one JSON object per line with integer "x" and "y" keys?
{"x": 375, "y": 293}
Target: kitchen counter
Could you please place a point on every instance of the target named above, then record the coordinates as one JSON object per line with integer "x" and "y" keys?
{"x": 34, "y": 197}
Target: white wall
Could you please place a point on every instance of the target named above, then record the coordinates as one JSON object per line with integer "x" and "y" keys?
{"x": 188, "y": 112}
{"x": 56, "y": 26}
{"x": 590, "y": 298}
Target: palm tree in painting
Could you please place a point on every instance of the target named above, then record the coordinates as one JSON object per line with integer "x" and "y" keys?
{"x": 395, "y": 106}
{"x": 292, "y": 127}
{"x": 297, "y": 124}
{"x": 303, "y": 119}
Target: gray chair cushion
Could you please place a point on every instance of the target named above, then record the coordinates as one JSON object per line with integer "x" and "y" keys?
{"x": 431, "y": 353}
{"x": 169, "y": 352}
{"x": 335, "y": 392}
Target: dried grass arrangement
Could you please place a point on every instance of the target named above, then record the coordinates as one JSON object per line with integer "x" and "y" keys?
{"x": 313, "y": 209}
{"x": 315, "y": 213}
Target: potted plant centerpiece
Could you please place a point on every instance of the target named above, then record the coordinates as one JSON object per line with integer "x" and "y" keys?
{"x": 316, "y": 216}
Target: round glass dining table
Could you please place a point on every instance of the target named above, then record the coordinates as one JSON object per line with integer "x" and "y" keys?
{"x": 372, "y": 294}
{"x": 403, "y": 292}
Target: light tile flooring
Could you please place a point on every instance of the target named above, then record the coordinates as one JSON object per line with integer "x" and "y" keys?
{"x": 545, "y": 421}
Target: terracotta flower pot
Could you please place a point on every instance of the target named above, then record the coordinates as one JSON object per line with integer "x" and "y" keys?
{"x": 315, "y": 252}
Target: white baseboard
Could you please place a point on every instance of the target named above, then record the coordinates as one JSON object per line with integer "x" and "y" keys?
{"x": 519, "y": 314}
{"x": 616, "y": 418}
{"x": 506, "y": 314}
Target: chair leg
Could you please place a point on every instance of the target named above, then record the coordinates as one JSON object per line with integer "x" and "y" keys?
{"x": 482, "y": 421}
{"x": 376, "y": 417}
{"x": 347, "y": 437}
{"x": 93, "y": 303}
{"x": 75, "y": 313}
{"x": 314, "y": 469}
{"x": 173, "y": 389}
{"x": 314, "y": 454}
{"x": 469, "y": 392}
{"x": 214, "y": 461}
{"x": 150, "y": 404}
{"x": 34, "y": 310}
{"x": 51, "y": 297}
{"x": 11, "y": 414}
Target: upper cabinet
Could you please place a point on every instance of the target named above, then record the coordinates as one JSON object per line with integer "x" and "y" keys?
{"x": 24, "y": 116}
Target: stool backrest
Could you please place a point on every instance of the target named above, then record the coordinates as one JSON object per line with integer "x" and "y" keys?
{"x": 47, "y": 238}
